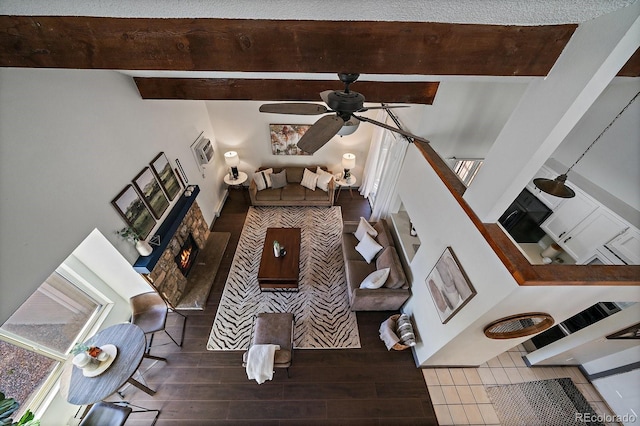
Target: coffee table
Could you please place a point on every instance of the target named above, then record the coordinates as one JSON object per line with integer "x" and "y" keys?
{"x": 280, "y": 273}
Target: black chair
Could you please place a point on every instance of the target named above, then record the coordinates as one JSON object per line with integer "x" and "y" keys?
{"x": 112, "y": 414}
{"x": 150, "y": 311}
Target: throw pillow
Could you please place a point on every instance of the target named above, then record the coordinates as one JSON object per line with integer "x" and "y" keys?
{"x": 263, "y": 179}
{"x": 279, "y": 180}
{"x": 323, "y": 179}
{"x": 375, "y": 279}
{"x": 364, "y": 227}
{"x": 309, "y": 180}
{"x": 368, "y": 248}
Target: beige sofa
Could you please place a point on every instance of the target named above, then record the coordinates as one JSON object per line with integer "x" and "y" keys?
{"x": 293, "y": 194}
{"x": 392, "y": 295}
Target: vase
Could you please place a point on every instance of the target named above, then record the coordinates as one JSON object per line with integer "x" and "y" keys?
{"x": 144, "y": 248}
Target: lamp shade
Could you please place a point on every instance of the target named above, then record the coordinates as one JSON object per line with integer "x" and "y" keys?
{"x": 231, "y": 158}
{"x": 348, "y": 161}
{"x": 555, "y": 187}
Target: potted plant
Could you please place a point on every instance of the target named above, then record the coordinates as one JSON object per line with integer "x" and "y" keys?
{"x": 131, "y": 235}
{"x": 8, "y": 406}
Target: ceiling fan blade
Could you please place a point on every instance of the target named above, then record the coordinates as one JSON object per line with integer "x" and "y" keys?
{"x": 325, "y": 95}
{"x": 294, "y": 108}
{"x": 320, "y": 133}
{"x": 384, "y": 107}
{"x": 393, "y": 129}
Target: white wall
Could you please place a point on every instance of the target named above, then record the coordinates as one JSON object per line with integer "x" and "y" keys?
{"x": 241, "y": 127}
{"x": 70, "y": 141}
{"x": 440, "y": 223}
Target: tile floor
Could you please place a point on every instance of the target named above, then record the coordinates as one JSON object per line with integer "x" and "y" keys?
{"x": 459, "y": 396}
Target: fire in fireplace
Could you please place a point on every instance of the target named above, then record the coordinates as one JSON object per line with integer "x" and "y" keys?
{"x": 186, "y": 257}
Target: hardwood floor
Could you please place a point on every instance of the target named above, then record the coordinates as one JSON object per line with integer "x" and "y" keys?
{"x": 367, "y": 386}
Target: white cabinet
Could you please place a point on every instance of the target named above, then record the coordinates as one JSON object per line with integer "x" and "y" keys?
{"x": 549, "y": 200}
{"x": 627, "y": 246}
{"x": 594, "y": 231}
{"x": 568, "y": 215}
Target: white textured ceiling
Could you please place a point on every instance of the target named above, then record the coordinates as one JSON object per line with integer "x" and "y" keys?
{"x": 503, "y": 12}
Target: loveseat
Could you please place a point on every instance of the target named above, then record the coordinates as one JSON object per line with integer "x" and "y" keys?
{"x": 269, "y": 193}
{"x": 394, "y": 290}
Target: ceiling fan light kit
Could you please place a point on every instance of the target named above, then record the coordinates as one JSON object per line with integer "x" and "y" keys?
{"x": 344, "y": 103}
{"x": 557, "y": 186}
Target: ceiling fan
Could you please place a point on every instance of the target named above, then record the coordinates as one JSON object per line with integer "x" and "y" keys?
{"x": 344, "y": 103}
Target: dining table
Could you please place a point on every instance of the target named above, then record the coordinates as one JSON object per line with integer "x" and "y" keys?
{"x": 86, "y": 387}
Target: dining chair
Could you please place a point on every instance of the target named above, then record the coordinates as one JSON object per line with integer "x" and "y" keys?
{"x": 150, "y": 311}
{"x": 112, "y": 414}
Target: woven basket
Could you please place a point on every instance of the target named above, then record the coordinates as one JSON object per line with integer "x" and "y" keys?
{"x": 397, "y": 346}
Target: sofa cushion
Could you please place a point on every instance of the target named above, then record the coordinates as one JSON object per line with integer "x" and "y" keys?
{"x": 279, "y": 180}
{"x": 323, "y": 179}
{"x": 376, "y": 279}
{"x": 269, "y": 194}
{"x": 357, "y": 271}
{"x": 384, "y": 234}
{"x": 309, "y": 179}
{"x": 389, "y": 259}
{"x": 368, "y": 248}
{"x": 263, "y": 179}
{"x": 349, "y": 243}
{"x": 294, "y": 174}
{"x": 364, "y": 227}
{"x": 293, "y": 193}
{"x": 315, "y": 195}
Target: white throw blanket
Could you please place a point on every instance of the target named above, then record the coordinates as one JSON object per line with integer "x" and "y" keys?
{"x": 260, "y": 362}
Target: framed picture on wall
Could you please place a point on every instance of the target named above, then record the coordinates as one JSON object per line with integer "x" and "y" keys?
{"x": 285, "y": 137}
{"x": 149, "y": 187}
{"x": 632, "y": 332}
{"x": 166, "y": 176}
{"x": 134, "y": 211}
{"x": 449, "y": 286}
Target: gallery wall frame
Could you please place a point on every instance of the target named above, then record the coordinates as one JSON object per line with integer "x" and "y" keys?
{"x": 134, "y": 211}
{"x": 165, "y": 175}
{"x": 449, "y": 286}
{"x": 285, "y": 137}
{"x": 151, "y": 191}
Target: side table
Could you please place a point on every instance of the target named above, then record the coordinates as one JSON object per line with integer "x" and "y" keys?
{"x": 237, "y": 183}
{"x": 346, "y": 183}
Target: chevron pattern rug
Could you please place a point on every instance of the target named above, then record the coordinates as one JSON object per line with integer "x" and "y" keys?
{"x": 323, "y": 319}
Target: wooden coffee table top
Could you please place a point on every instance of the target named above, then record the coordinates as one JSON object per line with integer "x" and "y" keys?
{"x": 284, "y": 271}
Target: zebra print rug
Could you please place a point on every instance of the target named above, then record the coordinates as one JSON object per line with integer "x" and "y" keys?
{"x": 323, "y": 319}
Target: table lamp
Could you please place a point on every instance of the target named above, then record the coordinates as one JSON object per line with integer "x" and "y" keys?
{"x": 348, "y": 163}
{"x": 232, "y": 160}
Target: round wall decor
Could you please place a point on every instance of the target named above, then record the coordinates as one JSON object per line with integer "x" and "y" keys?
{"x": 519, "y": 325}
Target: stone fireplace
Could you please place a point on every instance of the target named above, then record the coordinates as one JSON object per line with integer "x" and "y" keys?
{"x": 167, "y": 276}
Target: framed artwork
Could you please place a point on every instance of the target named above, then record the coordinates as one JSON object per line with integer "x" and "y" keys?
{"x": 285, "y": 137}
{"x": 449, "y": 286}
{"x": 632, "y": 332}
{"x": 148, "y": 186}
{"x": 134, "y": 211}
{"x": 167, "y": 178}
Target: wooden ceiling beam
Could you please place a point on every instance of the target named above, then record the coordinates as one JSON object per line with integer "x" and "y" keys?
{"x": 281, "y": 90}
{"x": 280, "y": 45}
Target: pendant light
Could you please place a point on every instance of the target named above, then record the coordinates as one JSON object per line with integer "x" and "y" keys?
{"x": 557, "y": 186}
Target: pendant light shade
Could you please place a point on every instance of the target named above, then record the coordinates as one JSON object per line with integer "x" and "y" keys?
{"x": 557, "y": 186}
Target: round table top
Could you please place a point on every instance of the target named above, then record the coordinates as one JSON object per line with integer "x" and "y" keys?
{"x": 130, "y": 341}
{"x": 242, "y": 177}
{"x": 352, "y": 181}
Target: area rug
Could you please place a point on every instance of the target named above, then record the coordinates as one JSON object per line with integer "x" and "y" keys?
{"x": 203, "y": 273}
{"x": 323, "y": 319}
{"x": 543, "y": 402}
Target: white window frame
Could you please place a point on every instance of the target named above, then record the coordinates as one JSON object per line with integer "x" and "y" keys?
{"x": 466, "y": 168}
{"x": 42, "y": 396}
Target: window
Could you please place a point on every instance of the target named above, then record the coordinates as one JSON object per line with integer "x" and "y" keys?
{"x": 466, "y": 169}
{"x": 37, "y": 338}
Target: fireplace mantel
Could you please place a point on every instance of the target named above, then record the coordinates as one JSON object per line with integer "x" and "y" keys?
{"x": 145, "y": 264}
